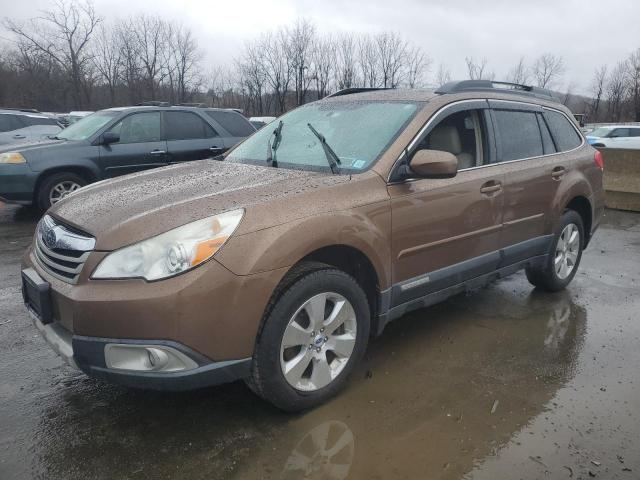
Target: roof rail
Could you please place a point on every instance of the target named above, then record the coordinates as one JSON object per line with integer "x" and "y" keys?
{"x": 27, "y": 110}
{"x": 153, "y": 103}
{"x": 195, "y": 105}
{"x": 349, "y": 91}
{"x": 491, "y": 85}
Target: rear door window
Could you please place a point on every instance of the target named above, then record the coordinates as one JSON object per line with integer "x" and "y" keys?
{"x": 518, "y": 135}
{"x": 634, "y": 132}
{"x": 9, "y": 122}
{"x": 232, "y": 122}
{"x": 547, "y": 141}
{"x": 186, "y": 126}
{"x": 565, "y": 135}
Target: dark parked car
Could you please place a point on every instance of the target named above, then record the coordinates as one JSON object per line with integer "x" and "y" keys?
{"x": 20, "y": 126}
{"x": 115, "y": 142}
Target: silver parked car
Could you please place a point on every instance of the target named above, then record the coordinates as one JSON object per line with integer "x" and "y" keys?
{"x": 19, "y": 126}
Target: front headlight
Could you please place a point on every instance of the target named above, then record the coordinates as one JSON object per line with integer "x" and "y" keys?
{"x": 173, "y": 252}
{"x": 12, "y": 157}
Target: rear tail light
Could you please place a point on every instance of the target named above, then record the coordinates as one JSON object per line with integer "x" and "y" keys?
{"x": 599, "y": 160}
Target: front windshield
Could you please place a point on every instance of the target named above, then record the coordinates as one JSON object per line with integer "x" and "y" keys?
{"x": 599, "y": 132}
{"x": 85, "y": 128}
{"x": 358, "y": 132}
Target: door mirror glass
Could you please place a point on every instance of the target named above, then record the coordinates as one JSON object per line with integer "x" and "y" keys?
{"x": 110, "y": 137}
{"x": 434, "y": 164}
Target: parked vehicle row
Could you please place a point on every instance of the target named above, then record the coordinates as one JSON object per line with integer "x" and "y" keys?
{"x": 114, "y": 142}
{"x": 20, "y": 126}
{"x": 278, "y": 264}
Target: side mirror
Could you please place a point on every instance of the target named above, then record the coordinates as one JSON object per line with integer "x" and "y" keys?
{"x": 110, "y": 137}
{"x": 434, "y": 164}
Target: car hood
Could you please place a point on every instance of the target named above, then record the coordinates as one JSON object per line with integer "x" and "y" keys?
{"x": 34, "y": 145}
{"x": 128, "y": 209}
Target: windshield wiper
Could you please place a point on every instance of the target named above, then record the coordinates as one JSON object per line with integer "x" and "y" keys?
{"x": 332, "y": 158}
{"x": 271, "y": 149}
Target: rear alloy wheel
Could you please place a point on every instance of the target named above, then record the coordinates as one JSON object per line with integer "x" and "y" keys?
{"x": 564, "y": 256}
{"x": 57, "y": 187}
{"x": 315, "y": 331}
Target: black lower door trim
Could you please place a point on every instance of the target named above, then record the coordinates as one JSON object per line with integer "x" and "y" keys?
{"x": 474, "y": 267}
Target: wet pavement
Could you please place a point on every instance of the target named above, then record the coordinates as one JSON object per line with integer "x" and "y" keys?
{"x": 502, "y": 383}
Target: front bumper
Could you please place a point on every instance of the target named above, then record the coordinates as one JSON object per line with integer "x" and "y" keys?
{"x": 17, "y": 183}
{"x": 88, "y": 355}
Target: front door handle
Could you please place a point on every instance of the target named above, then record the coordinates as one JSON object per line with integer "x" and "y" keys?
{"x": 490, "y": 187}
{"x": 157, "y": 152}
{"x": 558, "y": 172}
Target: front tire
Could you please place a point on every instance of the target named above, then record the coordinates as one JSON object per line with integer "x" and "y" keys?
{"x": 315, "y": 332}
{"x": 56, "y": 187}
{"x": 564, "y": 256}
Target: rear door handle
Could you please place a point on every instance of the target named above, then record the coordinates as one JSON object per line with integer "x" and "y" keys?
{"x": 490, "y": 187}
{"x": 19, "y": 136}
{"x": 157, "y": 152}
{"x": 558, "y": 172}
{"x": 214, "y": 149}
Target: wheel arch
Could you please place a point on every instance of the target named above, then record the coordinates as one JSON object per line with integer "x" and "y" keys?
{"x": 85, "y": 172}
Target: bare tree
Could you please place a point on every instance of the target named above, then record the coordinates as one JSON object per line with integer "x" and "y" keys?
{"x": 616, "y": 90}
{"x": 323, "y": 57}
{"x": 391, "y": 50}
{"x": 443, "y": 75}
{"x": 418, "y": 64}
{"x": 63, "y": 34}
{"x": 278, "y": 66}
{"x": 597, "y": 90}
{"x": 150, "y": 34}
{"x": 633, "y": 76}
{"x": 107, "y": 58}
{"x": 519, "y": 73}
{"x": 300, "y": 40}
{"x": 251, "y": 68}
{"x": 478, "y": 70}
{"x": 368, "y": 62}
{"x": 186, "y": 57}
{"x": 346, "y": 61}
{"x": 547, "y": 70}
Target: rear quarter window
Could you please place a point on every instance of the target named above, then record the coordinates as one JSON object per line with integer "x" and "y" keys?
{"x": 232, "y": 122}
{"x": 562, "y": 130}
{"x": 518, "y": 135}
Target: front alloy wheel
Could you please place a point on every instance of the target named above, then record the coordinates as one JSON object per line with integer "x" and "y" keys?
{"x": 318, "y": 341}
{"x": 61, "y": 190}
{"x": 315, "y": 331}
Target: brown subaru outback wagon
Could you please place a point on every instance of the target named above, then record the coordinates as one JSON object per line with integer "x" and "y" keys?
{"x": 279, "y": 263}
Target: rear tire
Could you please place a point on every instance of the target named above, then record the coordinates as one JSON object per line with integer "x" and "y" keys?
{"x": 56, "y": 187}
{"x": 302, "y": 359}
{"x": 563, "y": 257}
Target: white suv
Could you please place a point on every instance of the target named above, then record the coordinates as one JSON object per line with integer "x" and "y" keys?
{"x": 18, "y": 126}
{"x": 615, "y": 136}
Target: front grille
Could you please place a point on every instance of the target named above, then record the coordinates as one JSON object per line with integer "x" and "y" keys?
{"x": 60, "y": 250}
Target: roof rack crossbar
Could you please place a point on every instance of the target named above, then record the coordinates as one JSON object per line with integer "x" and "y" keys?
{"x": 349, "y": 91}
{"x": 493, "y": 85}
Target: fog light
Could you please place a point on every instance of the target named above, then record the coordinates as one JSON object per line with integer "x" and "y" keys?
{"x": 146, "y": 358}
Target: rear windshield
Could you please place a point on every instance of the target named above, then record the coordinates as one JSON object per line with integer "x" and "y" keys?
{"x": 88, "y": 126}
{"x": 358, "y": 132}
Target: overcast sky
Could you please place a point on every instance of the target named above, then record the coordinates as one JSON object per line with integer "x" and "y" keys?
{"x": 585, "y": 33}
